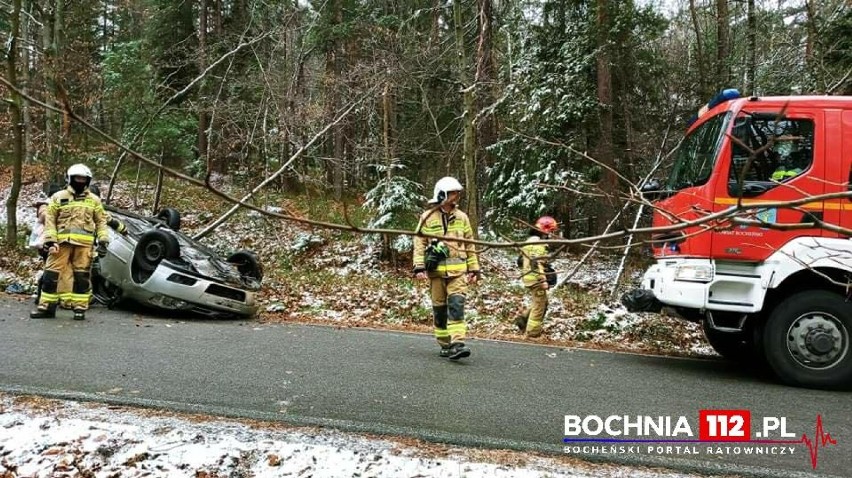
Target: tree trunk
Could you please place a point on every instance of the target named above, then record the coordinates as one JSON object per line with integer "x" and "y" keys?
{"x": 752, "y": 49}
{"x": 17, "y": 126}
{"x": 389, "y": 147}
{"x": 604, "y": 152}
{"x": 485, "y": 80}
{"x": 703, "y": 90}
{"x": 334, "y": 84}
{"x": 26, "y": 79}
{"x": 203, "y": 146}
{"x": 435, "y": 30}
{"x": 723, "y": 70}
{"x": 57, "y": 48}
{"x": 809, "y": 47}
{"x": 50, "y": 44}
{"x": 469, "y": 148}
{"x": 217, "y": 18}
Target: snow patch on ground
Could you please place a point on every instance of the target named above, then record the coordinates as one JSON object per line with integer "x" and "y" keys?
{"x": 45, "y": 438}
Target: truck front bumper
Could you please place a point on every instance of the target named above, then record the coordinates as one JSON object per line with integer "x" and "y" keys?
{"x": 730, "y": 287}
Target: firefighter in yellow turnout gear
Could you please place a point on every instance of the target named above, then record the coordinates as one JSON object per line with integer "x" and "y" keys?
{"x": 449, "y": 265}
{"x": 65, "y": 290}
{"x": 74, "y": 218}
{"x": 538, "y": 276}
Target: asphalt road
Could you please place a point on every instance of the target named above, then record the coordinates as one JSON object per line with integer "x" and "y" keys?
{"x": 504, "y": 395}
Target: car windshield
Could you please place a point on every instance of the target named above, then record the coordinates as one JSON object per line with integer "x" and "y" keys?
{"x": 697, "y": 154}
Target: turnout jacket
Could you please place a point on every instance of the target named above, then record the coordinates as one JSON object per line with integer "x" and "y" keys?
{"x": 75, "y": 218}
{"x": 531, "y": 265}
{"x": 454, "y": 224}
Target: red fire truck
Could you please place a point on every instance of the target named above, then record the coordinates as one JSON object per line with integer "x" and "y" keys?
{"x": 764, "y": 292}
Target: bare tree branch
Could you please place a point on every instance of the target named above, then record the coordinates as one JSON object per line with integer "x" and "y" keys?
{"x": 175, "y": 97}
{"x": 708, "y": 221}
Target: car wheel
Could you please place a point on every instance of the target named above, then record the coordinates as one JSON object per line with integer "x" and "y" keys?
{"x": 247, "y": 264}
{"x": 171, "y": 217}
{"x": 153, "y": 247}
{"x": 807, "y": 340}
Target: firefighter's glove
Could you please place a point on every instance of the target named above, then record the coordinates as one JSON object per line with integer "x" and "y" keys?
{"x": 102, "y": 248}
{"x": 473, "y": 276}
{"x": 550, "y": 275}
{"x": 51, "y": 247}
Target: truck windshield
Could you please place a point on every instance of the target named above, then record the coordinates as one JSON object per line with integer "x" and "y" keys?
{"x": 698, "y": 153}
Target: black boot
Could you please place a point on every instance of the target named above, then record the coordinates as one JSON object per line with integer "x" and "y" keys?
{"x": 445, "y": 352}
{"x": 459, "y": 350}
{"x": 47, "y": 312}
{"x": 521, "y": 323}
{"x": 79, "y": 314}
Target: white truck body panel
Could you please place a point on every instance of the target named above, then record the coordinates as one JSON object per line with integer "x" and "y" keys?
{"x": 742, "y": 286}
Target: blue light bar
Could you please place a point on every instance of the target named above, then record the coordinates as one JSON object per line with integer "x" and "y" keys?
{"x": 723, "y": 96}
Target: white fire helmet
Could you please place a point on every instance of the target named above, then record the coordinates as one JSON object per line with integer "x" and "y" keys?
{"x": 78, "y": 170}
{"x": 443, "y": 187}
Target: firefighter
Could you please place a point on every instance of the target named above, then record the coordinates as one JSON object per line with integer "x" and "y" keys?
{"x": 67, "y": 296}
{"x": 538, "y": 276}
{"x": 449, "y": 265}
{"x": 36, "y": 240}
{"x": 74, "y": 217}
{"x": 785, "y": 148}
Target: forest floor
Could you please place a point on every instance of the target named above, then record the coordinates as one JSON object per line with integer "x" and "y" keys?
{"x": 322, "y": 276}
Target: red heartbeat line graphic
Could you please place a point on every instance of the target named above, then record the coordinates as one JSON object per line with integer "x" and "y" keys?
{"x": 820, "y": 440}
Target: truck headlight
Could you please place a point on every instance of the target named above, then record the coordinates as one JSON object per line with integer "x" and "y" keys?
{"x": 694, "y": 273}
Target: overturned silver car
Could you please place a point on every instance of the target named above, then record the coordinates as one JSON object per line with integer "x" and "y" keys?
{"x": 156, "y": 265}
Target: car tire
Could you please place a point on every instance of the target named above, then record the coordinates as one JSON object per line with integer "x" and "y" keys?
{"x": 806, "y": 340}
{"x": 154, "y": 246}
{"x": 247, "y": 264}
{"x": 171, "y": 217}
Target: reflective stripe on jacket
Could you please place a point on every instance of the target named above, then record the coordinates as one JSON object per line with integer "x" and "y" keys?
{"x": 533, "y": 268}
{"x": 781, "y": 174}
{"x": 75, "y": 219}
{"x": 462, "y": 256}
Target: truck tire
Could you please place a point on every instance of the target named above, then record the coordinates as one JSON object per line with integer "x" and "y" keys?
{"x": 806, "y": 340}
{"x": 735, "y": 346}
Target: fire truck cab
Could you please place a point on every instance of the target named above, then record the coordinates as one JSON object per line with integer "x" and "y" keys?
{"x": 772, "y": 287}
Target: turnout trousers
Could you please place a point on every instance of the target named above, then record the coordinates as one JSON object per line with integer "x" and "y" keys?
{"x": 79, "y": 260}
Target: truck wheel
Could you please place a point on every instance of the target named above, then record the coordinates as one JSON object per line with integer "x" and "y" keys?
{"x": 806, "y": 340}
{"x": 736, "y": 346}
